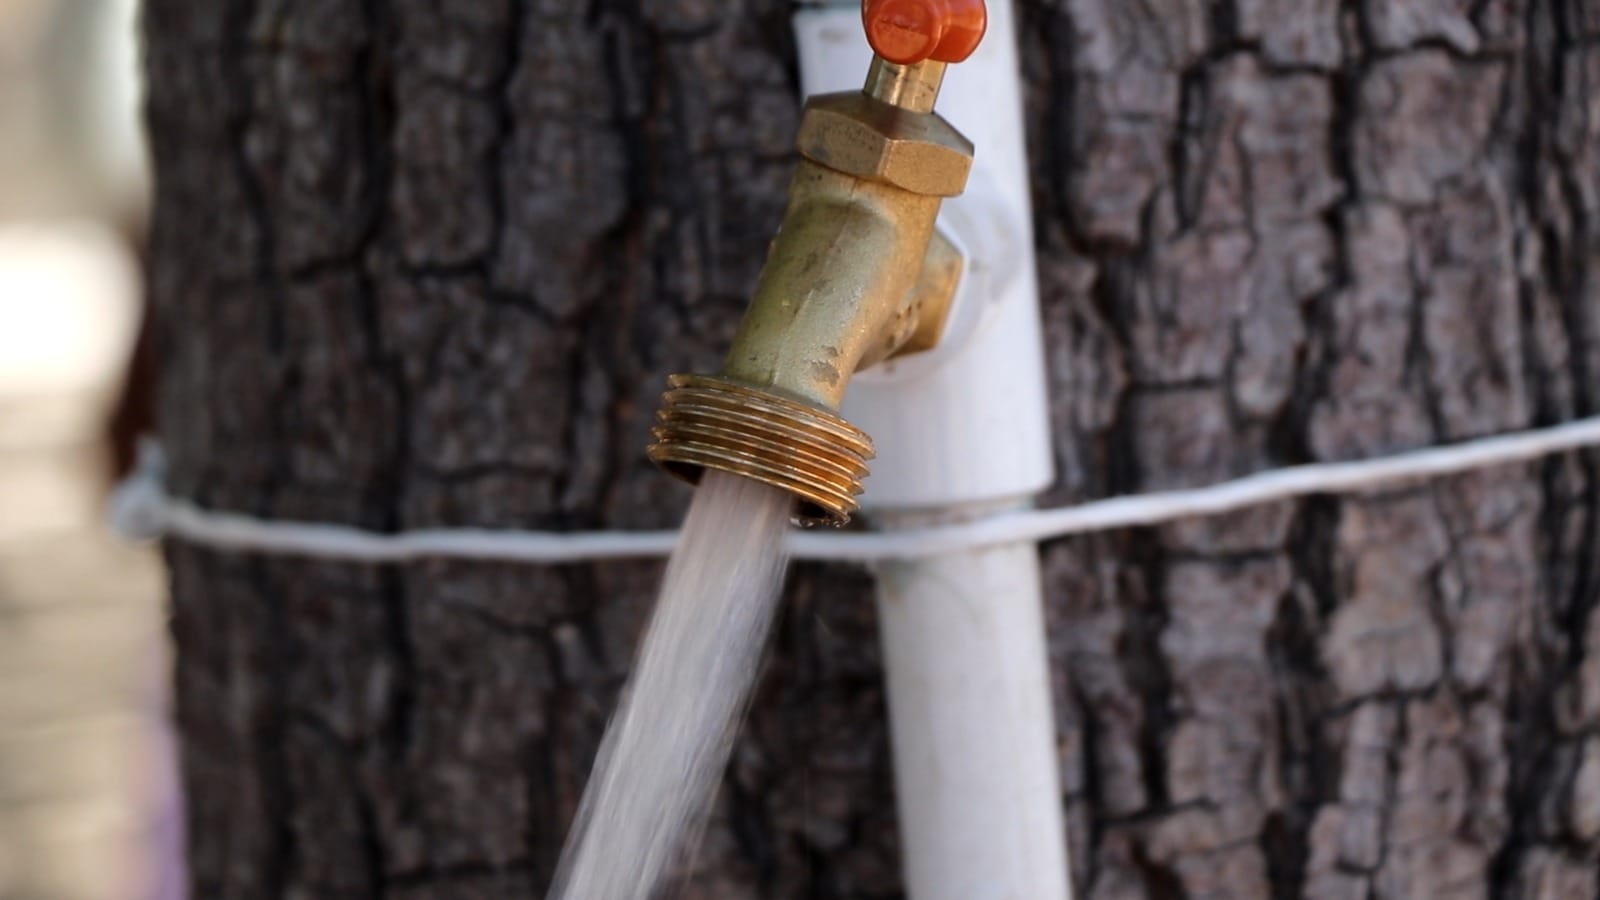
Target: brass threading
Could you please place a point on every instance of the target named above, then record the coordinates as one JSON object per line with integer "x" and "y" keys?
{"x": 709, "y": 421}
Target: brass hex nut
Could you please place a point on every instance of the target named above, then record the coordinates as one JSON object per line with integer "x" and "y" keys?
{"x": 855, "y": 134}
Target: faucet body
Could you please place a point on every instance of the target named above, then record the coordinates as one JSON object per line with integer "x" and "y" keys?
{"x": 857, "y": 274}
{"x": 836, "y": 294}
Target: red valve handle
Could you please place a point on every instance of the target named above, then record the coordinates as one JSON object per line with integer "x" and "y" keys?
{"x": 910, "y": 31}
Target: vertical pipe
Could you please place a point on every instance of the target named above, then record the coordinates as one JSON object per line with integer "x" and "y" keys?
{"x": 963, "y": 430}
{"x": 976, "y": 781}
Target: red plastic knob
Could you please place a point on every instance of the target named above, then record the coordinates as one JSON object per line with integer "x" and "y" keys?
{"x": 910, "y": 31}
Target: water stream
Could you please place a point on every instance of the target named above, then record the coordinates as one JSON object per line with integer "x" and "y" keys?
{"x": 666, "y": 747}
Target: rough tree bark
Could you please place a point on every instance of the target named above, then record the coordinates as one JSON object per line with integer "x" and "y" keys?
{"x": 422, "y": 264}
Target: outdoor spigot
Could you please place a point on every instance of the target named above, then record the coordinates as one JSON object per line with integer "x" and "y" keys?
{"x": 858, "y": 273}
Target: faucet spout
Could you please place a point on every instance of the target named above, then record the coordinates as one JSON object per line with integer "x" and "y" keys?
{"x": 857, "y": 274}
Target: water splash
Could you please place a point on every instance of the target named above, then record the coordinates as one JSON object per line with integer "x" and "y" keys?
{"x": 665, "y": 749}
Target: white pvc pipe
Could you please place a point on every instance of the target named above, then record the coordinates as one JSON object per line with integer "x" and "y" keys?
{"x": 971, "y": 721}
{"x": 961, "y": 432}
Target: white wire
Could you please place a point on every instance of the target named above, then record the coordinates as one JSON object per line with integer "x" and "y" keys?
{"x": 142, "y": 510}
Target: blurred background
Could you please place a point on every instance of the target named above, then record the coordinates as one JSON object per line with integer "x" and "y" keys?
{"x": 86, "y": 789}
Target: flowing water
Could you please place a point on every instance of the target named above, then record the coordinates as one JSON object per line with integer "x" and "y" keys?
{"x": 665, "y": 749}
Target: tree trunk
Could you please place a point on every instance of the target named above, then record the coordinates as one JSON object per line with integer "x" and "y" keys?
{"x": 421, "y": 264}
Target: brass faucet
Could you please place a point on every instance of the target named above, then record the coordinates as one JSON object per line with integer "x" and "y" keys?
{"x": 858, "y": 274}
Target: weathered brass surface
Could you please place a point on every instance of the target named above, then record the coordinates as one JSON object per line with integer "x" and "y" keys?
{"x": 931, "y": 298}
{"x": 913, "y": 88}
{"x": 859, "y": 135}
{"x": 839, "y": 277}
{"x": 855, "y": 276}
